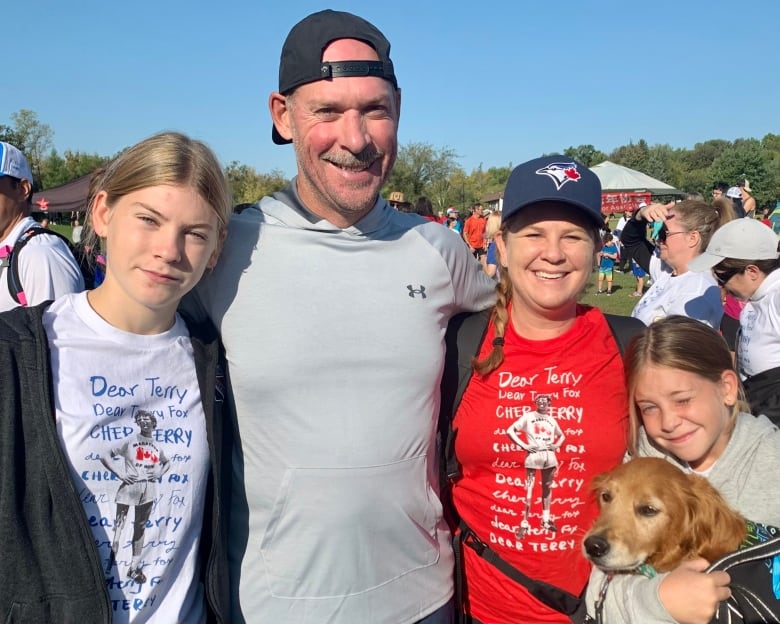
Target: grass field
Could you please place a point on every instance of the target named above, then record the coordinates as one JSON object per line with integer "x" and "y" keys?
{"x": 619, "y": 302}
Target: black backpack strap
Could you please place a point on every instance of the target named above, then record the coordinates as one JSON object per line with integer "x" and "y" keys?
{"x": 464, "y": 337}
{"x": 15, "y": 287}
{"x": 549, "y": 595}
{"x": 624, "y": 328}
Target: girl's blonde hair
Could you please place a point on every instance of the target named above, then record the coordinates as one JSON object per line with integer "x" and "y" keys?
{"x": 492, "y": 225}
{"x": 165, "y": 158}
{"x": 684, "y": 344}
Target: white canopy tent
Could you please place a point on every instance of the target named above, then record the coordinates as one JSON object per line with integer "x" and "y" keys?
{"x": 616, "y": 178}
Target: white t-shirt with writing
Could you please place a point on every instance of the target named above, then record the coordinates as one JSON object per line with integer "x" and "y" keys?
{"x": 759, "y": 338}
{"x": 131, "y": 423}
{"x": 695, "y": 295}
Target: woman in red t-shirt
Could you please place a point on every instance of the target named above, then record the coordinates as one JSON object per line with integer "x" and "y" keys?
{"x": 546, "y": 409}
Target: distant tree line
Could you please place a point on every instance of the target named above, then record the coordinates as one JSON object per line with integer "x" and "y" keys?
{"x": 425, "y": 170}
{"x": 422, "y": 169}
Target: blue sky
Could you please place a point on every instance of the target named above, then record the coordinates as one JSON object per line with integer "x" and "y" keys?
{"x": 497, "y": 82}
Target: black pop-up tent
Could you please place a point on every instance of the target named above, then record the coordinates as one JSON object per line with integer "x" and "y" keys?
{"x": 70, "y": 197}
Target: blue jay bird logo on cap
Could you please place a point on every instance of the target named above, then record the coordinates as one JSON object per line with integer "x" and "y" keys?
{"x": 560, "y": 173}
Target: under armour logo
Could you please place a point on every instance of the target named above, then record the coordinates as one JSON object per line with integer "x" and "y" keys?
{"x": 416, "y": 291}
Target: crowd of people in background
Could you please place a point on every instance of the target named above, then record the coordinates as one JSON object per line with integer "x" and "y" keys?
{"x": 280, "y": 452}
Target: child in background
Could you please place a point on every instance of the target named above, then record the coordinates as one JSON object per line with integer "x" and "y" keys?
{"x": 491, "y": 263}
{"x": 640, "y": 275}
{"x": 686, "y": 405}
{"x": 607, "y": 257}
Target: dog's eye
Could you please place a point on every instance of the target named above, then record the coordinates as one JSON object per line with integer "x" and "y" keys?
{"x": 606, "y": 497}
{"x": 648, "y": 511}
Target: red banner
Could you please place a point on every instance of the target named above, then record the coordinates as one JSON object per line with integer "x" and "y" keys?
{"x": 620, "y": 202}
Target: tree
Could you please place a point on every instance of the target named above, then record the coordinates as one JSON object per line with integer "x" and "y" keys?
{"x": 771, "y": 143}
{"x": 34, "y": 139}
{"x": 248, "y": 186}
{"x": 746, "y": 159}
{"x": 56, "y": 170}
{"x": 632, "y": 156}
{"x": 422, "y": 170}
{"x": 9, "y": 135}
{"x": 586, "y": 154}
{"x": 704, "y": 154}
{"x": 659, "y": 162}
{"x": 497, "y": 177}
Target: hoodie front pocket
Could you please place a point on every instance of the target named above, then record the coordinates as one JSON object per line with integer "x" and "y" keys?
{"x": 342, "y": 531}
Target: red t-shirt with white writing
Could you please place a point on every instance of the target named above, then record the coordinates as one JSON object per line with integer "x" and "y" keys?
{"x": 582, "y": 374}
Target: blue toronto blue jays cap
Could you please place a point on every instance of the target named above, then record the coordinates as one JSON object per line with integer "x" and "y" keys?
{"x": 301, "y": 61}
{"x": 553, "y": 179}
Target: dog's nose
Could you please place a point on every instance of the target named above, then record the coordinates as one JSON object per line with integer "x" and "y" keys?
{"x": 596, "y": 546}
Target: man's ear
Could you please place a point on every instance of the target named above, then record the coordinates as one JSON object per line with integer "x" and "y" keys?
{"x": 280, "y": 114}
{"x": 25, "y": 187}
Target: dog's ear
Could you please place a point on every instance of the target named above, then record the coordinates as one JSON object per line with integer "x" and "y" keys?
{"x": 676, "y": 544}
{"x": 716, "y": 528}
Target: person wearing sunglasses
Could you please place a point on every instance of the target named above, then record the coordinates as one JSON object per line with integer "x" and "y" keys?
{"x": 686, "y": 231}
{"x": 743, "y": 258}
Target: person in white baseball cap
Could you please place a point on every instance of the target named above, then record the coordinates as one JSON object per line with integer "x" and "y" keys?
{"x": 743, "y": 257}
{"x": 47, "y": 267}
{"x": 14, "y": 164}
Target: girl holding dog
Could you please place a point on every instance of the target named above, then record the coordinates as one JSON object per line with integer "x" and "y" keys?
{"x": 100, "y": 522}
{"x": 686, "y": 405}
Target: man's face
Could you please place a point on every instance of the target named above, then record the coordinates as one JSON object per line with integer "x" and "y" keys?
{"x": 344, "y": 132}
{"x": 542, "y": 404}
{"x": 145, "y": 423}
{"x": 13, "y": 202}
{"x": 717, "y": 193}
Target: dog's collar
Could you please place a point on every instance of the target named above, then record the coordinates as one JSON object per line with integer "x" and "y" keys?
{"x": 646, "y": 570}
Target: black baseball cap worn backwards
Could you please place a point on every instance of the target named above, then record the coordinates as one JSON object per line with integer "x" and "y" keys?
{"x": 301, "y": 60}
{"x": 555, "y": 179}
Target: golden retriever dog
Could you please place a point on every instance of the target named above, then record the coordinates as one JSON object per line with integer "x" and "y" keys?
{"x": 651, "y": 512}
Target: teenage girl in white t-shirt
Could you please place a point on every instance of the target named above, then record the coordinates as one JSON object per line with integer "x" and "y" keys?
{"x": 130, "y": 417}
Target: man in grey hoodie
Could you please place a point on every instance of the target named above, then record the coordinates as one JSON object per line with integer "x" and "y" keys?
{"x": 333, "y": 307}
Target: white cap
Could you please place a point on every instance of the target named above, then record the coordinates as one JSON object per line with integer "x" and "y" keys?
{"x": 740, "y": 239}
{"x": 13, "y": 163}
{"x": 734, "y": 192}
